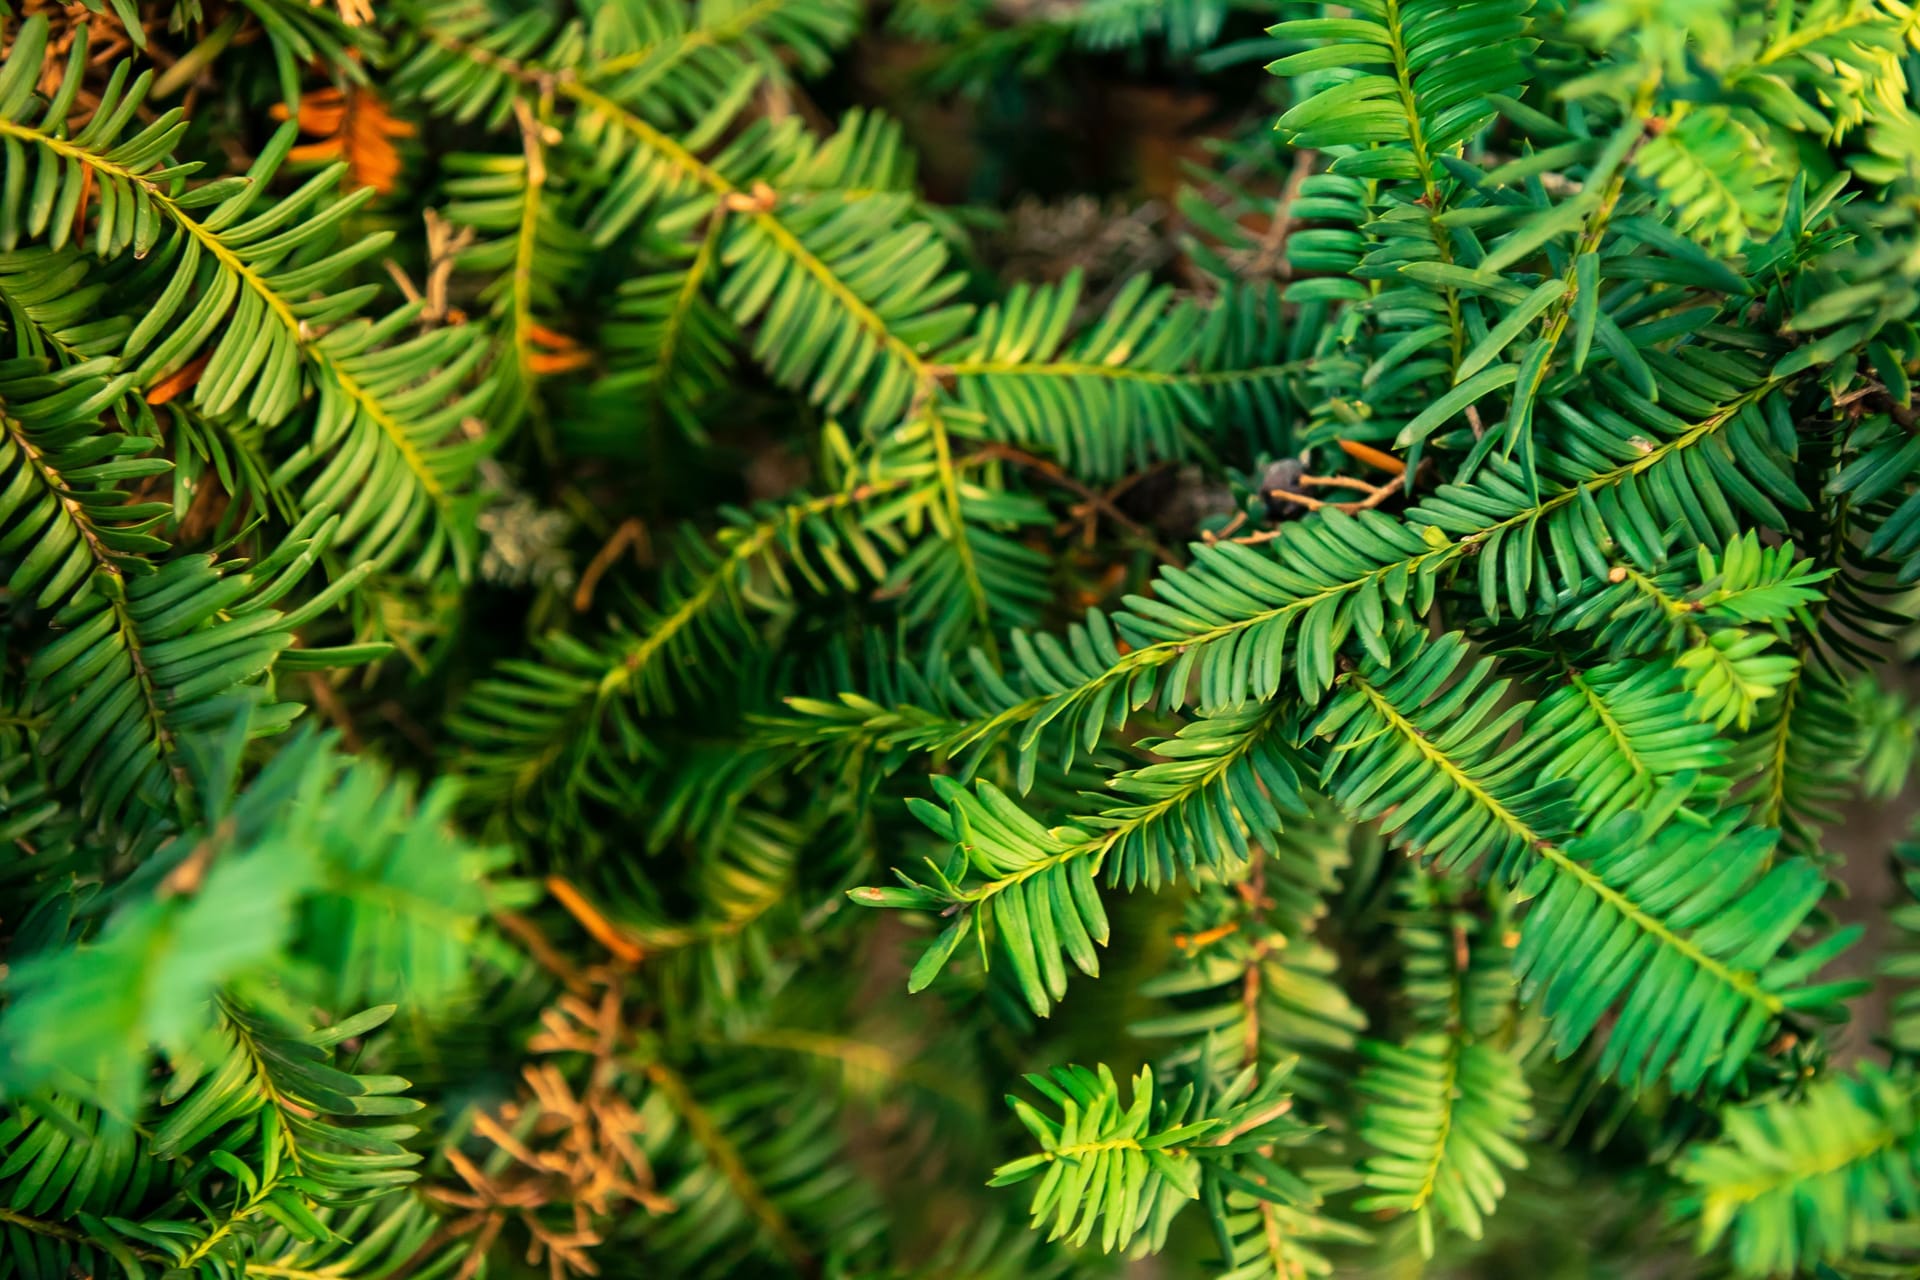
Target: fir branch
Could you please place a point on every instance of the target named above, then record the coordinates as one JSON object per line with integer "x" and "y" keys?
{"x": 726, "y": 1158}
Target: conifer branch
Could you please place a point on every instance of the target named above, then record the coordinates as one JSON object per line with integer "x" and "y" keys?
{"x": 1466, "y": 783}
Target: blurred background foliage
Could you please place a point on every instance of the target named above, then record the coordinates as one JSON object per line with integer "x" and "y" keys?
{"x": 590, "y": 996}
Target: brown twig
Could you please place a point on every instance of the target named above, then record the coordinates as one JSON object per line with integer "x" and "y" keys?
{"x": 1253, "y": 891}
{"x": 335, "y": 710}
{"x": 542, "y": 950}
{"x": 1337, "y": 482}
{"x": 1250, "y": 985}
{"x": 1209, "y": 535}
{"x": 631, "y": 532}
{"x": 444, "y": 244}
{"x": 1092, "y": 499}
{"x": 1376, "y": 494}
{"x": 396, "y": 715}
{"x": 1271, "y": 257}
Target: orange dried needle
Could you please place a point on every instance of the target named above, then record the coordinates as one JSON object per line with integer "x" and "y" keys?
{"x": 1373, "y": 457}
{"x": 604, "y": 930}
